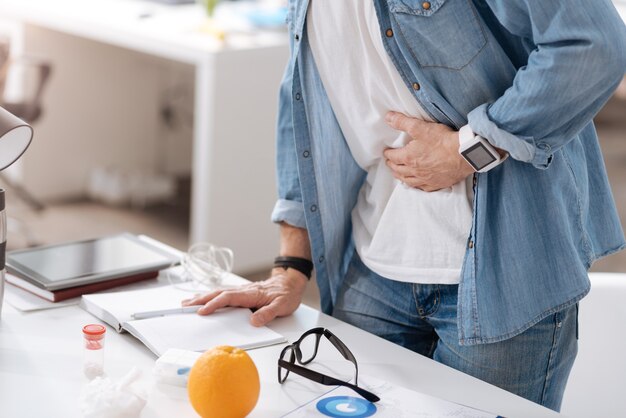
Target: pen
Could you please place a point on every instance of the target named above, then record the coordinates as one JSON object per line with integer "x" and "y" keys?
{"x": 164, "y": 312}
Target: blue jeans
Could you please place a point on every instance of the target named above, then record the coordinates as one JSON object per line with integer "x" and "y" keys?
{"x": 534, "y": 364}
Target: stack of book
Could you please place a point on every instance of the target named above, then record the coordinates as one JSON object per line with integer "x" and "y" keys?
{"x": 72, "y": 292}
{"x": 63, "y": 271}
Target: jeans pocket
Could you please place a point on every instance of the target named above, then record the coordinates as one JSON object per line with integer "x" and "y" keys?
{"x": 440, "y": 33}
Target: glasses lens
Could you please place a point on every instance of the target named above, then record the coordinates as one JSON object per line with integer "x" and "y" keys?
{"x": 308, "y": 347}
{"x": 289, "y": 357}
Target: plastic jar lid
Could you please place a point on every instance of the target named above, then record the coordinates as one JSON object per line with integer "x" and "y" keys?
{"x": 94, "y": 330}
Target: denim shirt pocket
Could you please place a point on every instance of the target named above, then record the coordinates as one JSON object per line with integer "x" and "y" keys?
{"x": 439, "y": 33}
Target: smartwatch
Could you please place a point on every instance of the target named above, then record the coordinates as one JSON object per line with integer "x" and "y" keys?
{"x": 475, "y": 149}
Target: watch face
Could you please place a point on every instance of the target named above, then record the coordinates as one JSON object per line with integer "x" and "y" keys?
{"x": 478, "y": 156}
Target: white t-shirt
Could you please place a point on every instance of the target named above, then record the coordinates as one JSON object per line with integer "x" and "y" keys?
{"x": 400, "y": 233}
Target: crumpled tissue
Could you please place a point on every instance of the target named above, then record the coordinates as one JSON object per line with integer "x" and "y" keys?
{"x": 102, "y": 398}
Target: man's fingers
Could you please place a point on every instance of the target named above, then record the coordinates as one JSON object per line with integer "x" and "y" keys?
{"x": 409, "y": 180}
{"x": 399, "y": 121}
{"x": 400, "y": 169}
{"x": 247, "y": 298}
{"x": 265, "y": 314}
{"x": 396, "y": 155}
{"x": 201, "y": 299}
{"x": 402, "y": 122}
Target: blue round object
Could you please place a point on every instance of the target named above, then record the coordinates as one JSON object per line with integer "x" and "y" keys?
{"x": 346, "y": 406}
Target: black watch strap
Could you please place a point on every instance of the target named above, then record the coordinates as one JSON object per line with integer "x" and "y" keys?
{"x": 303, "y": 265}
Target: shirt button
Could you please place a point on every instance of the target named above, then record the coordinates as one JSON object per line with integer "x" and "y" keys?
{"x": 470, "y": 244}
{"x": 298, "y": 96}
{"x": 416, "y": 86}
{"x": 313, "y": 208}
{"x": 321, "y": 259}
{"x": 306, "y": 154}
{"x": 426, "y": 5}
{"x": 389, "y": 33}
{"x": 297, "y": 37}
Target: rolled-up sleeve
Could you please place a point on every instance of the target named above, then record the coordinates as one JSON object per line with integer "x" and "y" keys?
{"x": 289, "y": 211}
{"x": 519, "y": 147}
{"x": 288, "y": 207}
{"x": 578, "y": 61}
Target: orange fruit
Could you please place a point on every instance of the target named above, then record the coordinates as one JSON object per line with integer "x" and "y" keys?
{"x": 223, "y": 383}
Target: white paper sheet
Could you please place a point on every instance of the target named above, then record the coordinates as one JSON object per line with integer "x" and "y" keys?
{"x": 395, "y": 402}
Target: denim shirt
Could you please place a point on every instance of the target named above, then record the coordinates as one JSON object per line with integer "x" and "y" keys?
{"x": 529, "y": 76}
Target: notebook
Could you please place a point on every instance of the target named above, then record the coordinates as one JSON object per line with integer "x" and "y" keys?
{"x": 190, "y": 331}
{"x": 72, "y": 292}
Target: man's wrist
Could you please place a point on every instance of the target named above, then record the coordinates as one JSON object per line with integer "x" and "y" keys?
{"x": 292, "y": 274}
{"x": 303, "y": 265}
{"x": 463, "y": 166}
{"x": 294, "y": 241}
{"x": 477, "y": 151}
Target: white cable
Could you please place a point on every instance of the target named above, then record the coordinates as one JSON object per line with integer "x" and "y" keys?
{"x": 204, "y": 265}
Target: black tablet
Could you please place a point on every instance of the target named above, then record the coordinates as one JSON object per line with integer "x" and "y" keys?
{"x": 77, "y": 263}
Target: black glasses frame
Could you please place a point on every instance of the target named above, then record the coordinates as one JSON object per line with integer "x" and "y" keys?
{"x": 296, "y": 355}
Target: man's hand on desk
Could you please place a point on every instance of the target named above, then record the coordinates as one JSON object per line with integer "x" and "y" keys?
{"x": 280, "y": 295}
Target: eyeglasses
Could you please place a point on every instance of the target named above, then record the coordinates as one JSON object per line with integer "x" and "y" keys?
{"x": 304, "y": 351}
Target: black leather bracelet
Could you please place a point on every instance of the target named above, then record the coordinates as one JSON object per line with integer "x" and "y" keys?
{"x": 303, "y": 265}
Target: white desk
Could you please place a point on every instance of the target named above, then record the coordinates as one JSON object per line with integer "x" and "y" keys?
{"x": 620, "y": 5}
{"x": 41, "y": 368}
{"x": 236, "y": 90}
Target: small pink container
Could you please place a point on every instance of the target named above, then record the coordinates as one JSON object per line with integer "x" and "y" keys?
{"x": 93, "y": 357}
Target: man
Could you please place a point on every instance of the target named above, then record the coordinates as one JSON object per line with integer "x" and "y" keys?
{"x": 395, "y": 121}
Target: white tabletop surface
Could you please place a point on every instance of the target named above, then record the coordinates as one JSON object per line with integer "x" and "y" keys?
{"x": 171, "y": 32}
{"x": 41, "y": 368}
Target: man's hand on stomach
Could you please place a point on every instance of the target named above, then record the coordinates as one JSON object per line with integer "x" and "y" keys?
{"x": 431, "y": 160}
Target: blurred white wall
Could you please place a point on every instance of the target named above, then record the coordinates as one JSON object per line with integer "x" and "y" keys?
{"x": 102, "y": 107}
